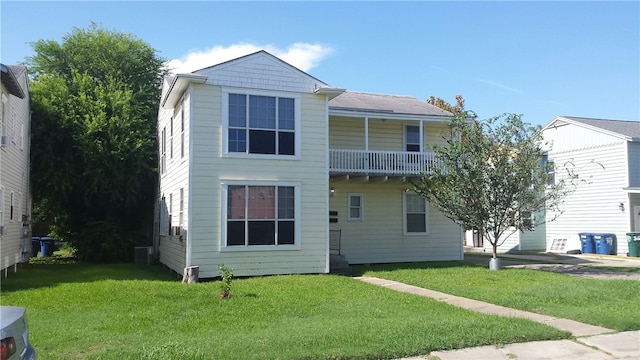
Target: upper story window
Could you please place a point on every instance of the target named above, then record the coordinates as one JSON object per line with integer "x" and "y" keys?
{"x": 412, "y": 138}
{"x": 261, "y": 124}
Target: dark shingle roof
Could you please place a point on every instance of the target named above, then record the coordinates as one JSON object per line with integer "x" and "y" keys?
{"x": 622, "y": 127}
{"x": 9, "y": 75}
{"x": 382, "y": 103}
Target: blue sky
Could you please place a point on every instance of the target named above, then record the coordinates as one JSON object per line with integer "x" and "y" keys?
{"x": 539, "y": 59}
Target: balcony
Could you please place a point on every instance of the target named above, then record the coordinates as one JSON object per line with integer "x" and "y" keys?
{"x": 379, "y": 163}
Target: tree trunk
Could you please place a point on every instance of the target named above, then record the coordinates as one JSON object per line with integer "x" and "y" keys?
{"x": 190, "y": 275}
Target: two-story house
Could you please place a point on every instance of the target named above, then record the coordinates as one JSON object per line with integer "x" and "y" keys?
{"x": 260, "y": 162}
{"x": 15, "y": 197}
{"x": 606, "y": 156}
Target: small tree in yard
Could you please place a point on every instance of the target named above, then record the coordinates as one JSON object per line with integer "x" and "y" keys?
{"x": 490, "y": 177}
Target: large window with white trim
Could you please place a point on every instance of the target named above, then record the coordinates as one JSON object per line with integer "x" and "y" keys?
{"x": 260, "y": 214}
{"x": 416, "y": 214}
{"x": 261, "y": 124}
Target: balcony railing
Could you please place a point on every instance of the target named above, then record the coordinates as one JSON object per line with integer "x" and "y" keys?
{"x": 382, "y": 163}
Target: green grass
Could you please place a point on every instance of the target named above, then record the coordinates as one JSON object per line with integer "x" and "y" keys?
{"x": 609, "y": 303}
{"x": 84, "y": 311}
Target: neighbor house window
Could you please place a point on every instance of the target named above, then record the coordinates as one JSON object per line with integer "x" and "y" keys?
{"x": 182, "y": 131}
{"x": 163, "y": 151}
{"x": 416, "y": 216}
{"x": 355, "y": 207}
{"x": 260, "y": 215}
{"x": 259, "y": 124}
{"x": 171, "y": 138}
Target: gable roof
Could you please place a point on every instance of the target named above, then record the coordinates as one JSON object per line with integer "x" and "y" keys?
{"x": 383, "y": 105}
{"x": 628, "y": 130}
{"x": 9, "y": 75}
{"x": 258, "y": 70}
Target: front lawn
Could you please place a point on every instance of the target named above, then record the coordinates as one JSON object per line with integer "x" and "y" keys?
{"x": 84, "y": 311}
{"x": 609, "y": 303}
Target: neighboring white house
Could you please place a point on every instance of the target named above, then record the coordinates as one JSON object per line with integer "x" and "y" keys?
{"x": 606, "y": 155}
{"x": 259, "y": 161}
{"x": 15, "y": 197}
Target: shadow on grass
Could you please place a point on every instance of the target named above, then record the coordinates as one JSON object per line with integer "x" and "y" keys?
{"x": 359, "y": 270}
{"x": 55, "y": 270}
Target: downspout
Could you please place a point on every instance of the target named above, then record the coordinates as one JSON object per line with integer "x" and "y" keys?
{"x": 327, "y": 192}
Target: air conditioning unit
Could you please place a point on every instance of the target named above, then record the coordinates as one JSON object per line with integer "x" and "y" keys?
{"x": 4, "y": 140}
{"x": 143, "y": 255}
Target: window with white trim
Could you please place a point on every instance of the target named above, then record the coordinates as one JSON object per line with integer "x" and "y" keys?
{"x": 171, "y": 138}
{"x": 416, "y": 214}
{"x": 163, "y": 151}
{"x": 260, "y": 215}
{"x": 261, "y": 124}
{"x": 355, "y": 207}
{"x": 182, "y": 130}
{"x": 412, "y": 138}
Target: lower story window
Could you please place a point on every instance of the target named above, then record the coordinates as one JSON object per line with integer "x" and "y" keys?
{"x": 260, "y": 215}
{"x": 415, "y": 214}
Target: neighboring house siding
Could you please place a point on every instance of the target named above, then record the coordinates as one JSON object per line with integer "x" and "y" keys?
{"x": 210, "y": 169}
{"x": 379, "y": 237}
{"x": 15, "y": 240}
{"x": 565, "y": 138}
{"x": 594, "y": 206}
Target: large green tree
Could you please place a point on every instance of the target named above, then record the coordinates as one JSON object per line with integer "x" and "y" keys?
{"x": 95, "y": 99}
{"x": 491, "y": 176}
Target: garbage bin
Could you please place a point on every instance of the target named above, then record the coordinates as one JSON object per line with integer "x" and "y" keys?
{"x": 634, "y": 243}
{"x": 604, "y": 243}
{"x": 35, "y": 245}
{"x": 47, "y": 246}
{"x": 588, "y": 246}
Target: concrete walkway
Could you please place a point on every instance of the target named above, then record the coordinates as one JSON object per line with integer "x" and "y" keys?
{"x": 593, "y": 342}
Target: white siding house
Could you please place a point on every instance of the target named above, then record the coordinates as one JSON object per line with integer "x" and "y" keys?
{"x": 258, "y": 160}
{"x": 15, "y": 197}
{"x": 606, "y": 155}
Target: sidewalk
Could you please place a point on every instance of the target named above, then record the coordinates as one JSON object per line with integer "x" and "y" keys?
{"x": 593, "y": 342}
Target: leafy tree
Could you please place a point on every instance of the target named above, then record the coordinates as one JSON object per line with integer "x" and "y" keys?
{"x": 442, "y": 104}
{"x": 490, "y": 176}
{"x": 95, "y": 98}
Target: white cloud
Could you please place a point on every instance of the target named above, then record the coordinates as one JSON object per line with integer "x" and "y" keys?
{"x": 304, "y": 56}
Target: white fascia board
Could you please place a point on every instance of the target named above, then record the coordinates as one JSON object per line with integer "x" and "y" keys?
{"x": 330, "y": 91}
{"x": 179, "y": 84}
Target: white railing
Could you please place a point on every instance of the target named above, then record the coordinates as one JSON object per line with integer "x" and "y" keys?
{"x": 345, "y": 161}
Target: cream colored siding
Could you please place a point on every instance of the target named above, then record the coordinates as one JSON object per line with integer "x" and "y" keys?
{"x": 346, "y": 133}
{"x": 209, "y": 169}
{"x": 379, "y": 238}
{"x": 594, "y": 206}
{"x": 15, "y": 240}
{"x": 349, "y": 133}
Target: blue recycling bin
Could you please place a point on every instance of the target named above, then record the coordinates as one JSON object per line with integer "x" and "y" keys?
{"x": 588, "y": 245}
{"x": 35, "y": 245}
{"x": 605, "y": 243}
{"x": 47, "y": 246}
